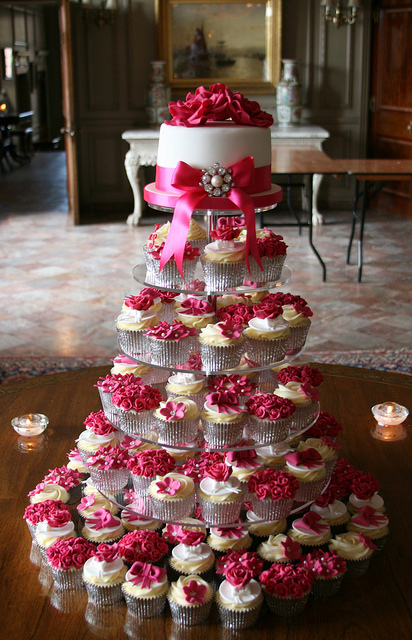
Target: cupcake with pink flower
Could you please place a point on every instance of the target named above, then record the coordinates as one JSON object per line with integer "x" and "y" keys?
{"x": 270, "y": 417}
{"x": 272, "y": 252}
{"x": 99, "y": 432}
{"x": 56, "y": 525}
{"x": 279, "y": 548}
{"x": 108, "y": 385}
{"x": 172, "y": 497}
{"x": 239, "y": 384}
{"x": 70, "y": 479}
{"x": 191, "y": 556}
{"x": 301, "y": 386}
{"x": 260, "y": 529}
{"x": 167, "y": 299}
{"x": 364, "y": 492}
{"x": 248, "y": 558}
{"x": 108, "y": 468}
{"x": 145, "y": 590}
{"x": 169, "y": 275}
{"x": 136, "y": 404}
{"x": 356, "y": 548}
{"x": 223, "y": 261}
{"x": 194, "y": 312}
{"x": 170, "y": 343}
{"x": 310, "y": 531}
{"x": 309, "y": 469}
{"x": 103, "y": 575}
{"x": 66, "y": 559}
{"x": 239, "y": 313}
{"x": 142, "y": 545}
{"x": 327, "y": 448}
{"x": 372, "y": 523}
{"x": 239, "y": 598}
{"x": 286, "y": 588}
{"x": 221, "y": 345}
{"x": 132, "y": 323}
{"x": 75, "y": 462}
{"x": 188, "y": 384}
{"x": 102, "y": 526}
{"x": 267, "y": 334}
{"x": 36, "y": 513}
{"x": 190, "y": 600}
{"x": 93, "y": 502}
{"x": 234, "y": 537}
{"x": 146, "y": 465}
{"x": 328, "y": 570}
{"x": 223, "y": 419}
{"x": 297, "y": 314}
{"x": 272, "y": 493}
{"x": 177, "y": 421}
{"x": 220, "y": 494}
{"x": 133, "y": 521}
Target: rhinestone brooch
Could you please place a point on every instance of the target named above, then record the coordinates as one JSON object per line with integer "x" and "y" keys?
{"x": 217, "y": 181}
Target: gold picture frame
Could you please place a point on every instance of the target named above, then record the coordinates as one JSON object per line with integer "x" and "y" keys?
{"x": 235, "y": 42}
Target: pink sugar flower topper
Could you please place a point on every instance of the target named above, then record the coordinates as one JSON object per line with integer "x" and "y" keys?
{"x": 194, "y": 592}
{"x": 173, "y": 410}
{"x": 168, "y": 485}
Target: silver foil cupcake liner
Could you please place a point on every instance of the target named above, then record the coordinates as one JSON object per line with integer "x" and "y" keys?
{"x": 271, "y": 509}
{"x": 357, "y": 568}
{"x": 235, "y": 619}
{"x": 220, "y": 512}
{"x": 104, "y": 595}
{"x": 297, "y": 338}
{"x": 168, "y": 353}
{"x": 141, "y": 484}
{"x": 136, "y": 423}
{"x": 286, "y": 607}
{"x": 221, "y": 434}
{"x": 220, "y": 276}
{"x": 268, "y": 431}
{"x": 322, "y": 588}
{"x": 109, "y": 479}
{"x": 67, "y": 578}
{"x": 309, "y": 491}
{"x": 110, "y": 411}
{"x": 189, "y": 615}
{"x": 176, "y": 431}
{"x": 173, "y": 509}
{"x": 272, "y": 269}
{"x": 32, "y": 529}
{"x": 133, "y": 343}
{"x": 197, "y": 398}
{"x": 169, "y": 275}
{"x": 219, "y": 358}
{"x": 266, "y": 351}
{"x": 302, "y": 417}
{"x": 145, "y": 607}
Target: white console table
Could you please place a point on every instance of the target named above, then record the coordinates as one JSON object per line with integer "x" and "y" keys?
{"x": 143, "y": 153}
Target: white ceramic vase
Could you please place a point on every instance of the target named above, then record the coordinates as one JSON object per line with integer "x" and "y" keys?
{"x": 289, "y": 95}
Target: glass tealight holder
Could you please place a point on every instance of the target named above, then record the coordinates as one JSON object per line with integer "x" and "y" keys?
{"x": 389, "y": 417}
{"x": 31, "y": 424}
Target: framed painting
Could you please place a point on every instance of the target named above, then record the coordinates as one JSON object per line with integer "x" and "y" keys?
{"x": 236, "y": 42}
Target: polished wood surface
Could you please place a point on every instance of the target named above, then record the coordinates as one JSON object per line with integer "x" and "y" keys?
{"x": 302, "y": 160}
{"x": 377, "y": 168}
{"x": 374, "y": 607}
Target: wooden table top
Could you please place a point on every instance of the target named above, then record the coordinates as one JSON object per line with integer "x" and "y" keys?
{"x": 374, "y": 607}
{"x": 302, "y": 160}
{"x": 377, "y": 167}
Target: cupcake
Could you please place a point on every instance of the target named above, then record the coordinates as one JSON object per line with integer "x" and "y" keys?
{"x": 270, "y": 417}
{"x": 147, "y": 299}
{"x": 108, "y": 468}
{"x": 172, "y": 497}
{"x": 249, "y": 559}
{"x": 35, "y": 513}
{"x": 132, "y": 521}
{"x": 102, "y": 526}
{"x": 145, "y": 590}
{"x": 195, "y": 313}
{"x": 169, "y": 275}
{"x": 325, "y": 425}
{"x": 131, "y": 325}
{"x": 239, "y": 598}
{"x": 99, "y": 432}
{"x": 167, "y": 299}
{"x": 70, "y": 479}
{"x": 142, "y": 546}
{"x": 191, "y": 556}
{"x": 57, "y": 525}
{"x": 328, "y": 571}
{"x": 267, "y": 334}
{"x": 279, "y": 548}
{"x": 148, "y": 464}
{"x": 108, "y": 385}
{"x": 170, "y": 344}
{"x": 234, "y": 537}
{"x": 300, "y": 384}
{"x": 66, "y": 558}
{"x": 221, "y": 345}
{"x": 239, "y": 313}
{"x": 309, "y": 469}
{"x": 297, "y": 314}
{"x": 75, "y": 462}
{"x": 310, "y": 531}
{"x": 136, "y": 405}
{"x": 223, "y": 262}
{"x": 196, "y": 235}
{"x": 331, "y": 510}
{"x": 173, "y": 532}
{"x": 220, "y": 494}
{"x": 103, "y": 575}
{"x": 190, "y": 599}
{"x": 50, "y": 491}
{"x": 260, "y": 529}
{"x": 364, "y": 492}
{"x": 272, "y": 493}
{"x": 327, "y": 448}
{"x": 223, "y": 419}
{"x": 373, "y": 524}
{"x": 93, "y": 502}
{"x": 286, "y": 588}
{"x": 272, "y": 252}
{"x": 125, "y": 366}
{"x": 273, "y": 455}
{"x": 190, "y": 385}
{"x": 244, "y": 463}
{"x": 177, "y": 421}
{"x": 356, "y": 549}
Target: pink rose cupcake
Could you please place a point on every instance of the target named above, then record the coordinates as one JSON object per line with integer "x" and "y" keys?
{"x": 99, "y": 433}
{"x": 136, "y": 405}
{"x": 57, "y": 525}
{"x": 267, "y": 334}
{"x": 301, "y": 385}
{"x": 108, "y": 468}
{"x": 286, "y": 588}
{"x": 239, "y": 598}
{"x": 170, "y": 343}
{"x": 221, "y": 345}
{"x": 66, "y": 559}
{"x": 223, "y": 419}
{"x": 270, "y": 417}
{"x": 325, "y": 425}
{"x": 169, "y": 275}
{"x": 328, "y": 570}
{"x": 309, "y": 469}
{"x": 364, "y": 492}
{"x": 103, "y": 575}
{"x": 148, "y": 464}
{"x": 272, "y": 252}
{"x": 239, "y": 313}
{"x": 108, "y": 385}
{"x": 142, "y": 546}
{"x": 272, "y": 493}
{"x": 35, "y": 513}
{"x": 220, "y": 494}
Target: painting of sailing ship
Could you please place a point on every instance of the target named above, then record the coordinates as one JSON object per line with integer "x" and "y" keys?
{"x": 219, "y": 41}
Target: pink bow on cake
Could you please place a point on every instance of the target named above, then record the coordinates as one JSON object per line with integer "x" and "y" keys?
{"x": 308, "y": 458}
{"x": 144, "y": 573}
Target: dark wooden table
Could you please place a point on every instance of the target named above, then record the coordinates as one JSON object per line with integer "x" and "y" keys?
{"x": 374, "y": 607}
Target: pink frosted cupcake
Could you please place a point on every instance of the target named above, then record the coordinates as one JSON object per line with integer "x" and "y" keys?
{"x": 66, "y": 559}
{"x": 267, "y": 334}
{"x": 239, "y": 313}
{"x": 272, "y": 493}
{"x": 35, "y": 513}
{"x": 328, "y": 570}
{"x": 57, "y": 525}
{"x": 136, "y": 405}
{"x": 172, "y": 497}
{"x": 170, "y": 343}
{"x": 301, "y": 385}
{"x": 220, "y": 494}
{"x": 108, "y": 468}
{"x": 309, "y": 469}
{"x": 102, "y": 526}
{"x": 169, "y": 275}
{"x": 190, "y": 599}
{"x": 103, "y": 575}
{"x": 364, "y": 492}
{"x": 177, "y": 421}
{"x": 145, "y": 590}
{"x": 99, "y": 433}
{"x": 310, "y": 531}
{"x": 237, "y": 383}
{"x": 108, "y": 385}
{"x": 195, "y": 313}
{"x": 286, "y": 588}
{"x": 221, "y": 345}
{"x": 142, "y": 546}
{"x": 223, "y": 261}
{"x": 146, "y": 465}
{"x": 325, "y": 425}
{"x": 272, "y": 252}
{"x": 132, "y": 323}
{"x": 270, "y": 417}
{"x": 297, "y": 314}
{"x": 223, "y": 419}
{"x": 239, "y": 598}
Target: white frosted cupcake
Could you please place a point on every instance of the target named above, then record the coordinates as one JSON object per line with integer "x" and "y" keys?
{"x": 301, "y": 391}
{"x": 356, "y": 549}
{"x": 223, "y": 419}
{"x": 103, "y": 575}
{"x": 309, "y": 469}
{"x": 267, "y": 335}
{"x": 239, "y": 598}
{"x": 191, "y": 556}
{"x": 221, "y": 345}
{"x": 51, "y": 491}
{"x": 177, "y": 421}
{"x": 371, "y": 523}
{"x": 279, "y": 548}
{"x": 229, "y": 538}
{"x": 310, "y": 531}
{"x": 190, "y": 599}
{"x": 273, "y": 455}
{"x": 56, "y": 526}
{"x": 131, "y": 326}
{"x": 223, "y": 264}
{"x": 125, "y": 366}
{"x": 190, "y": 385}
{"x": 145, "y": 590}
{"x": 172, "y": 497}
{"x": 102, "y": 526}
{"x": 260, "y": 529}
{"x": 169, "y": 275}
{"x": 220, "y": 494}
{"x": 327, "y": 448}
{"x": 196, "y": 313}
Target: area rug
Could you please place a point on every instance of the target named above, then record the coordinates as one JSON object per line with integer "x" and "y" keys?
{"x": 13, "y": 369}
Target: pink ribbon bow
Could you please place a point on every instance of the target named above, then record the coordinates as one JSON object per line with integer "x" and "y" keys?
{"x": 245, "y": 459}
{"x": 309, "y": 458}
{"x": 144, "y": 573}
{"x": 101, "y": 519}
{"x": 309, "y": 523}
{"x": 369, "y": 516}
{"x": 187, "y": 179}
{"x": 225, "y": 401}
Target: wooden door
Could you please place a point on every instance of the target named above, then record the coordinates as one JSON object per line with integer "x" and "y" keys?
{"x": 69, "y": 130}
{"x": 390, "y": 134}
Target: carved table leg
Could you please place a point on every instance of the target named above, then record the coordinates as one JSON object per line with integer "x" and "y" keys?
{"x": 132, "y": 166}
{"x": 317, "y": 217}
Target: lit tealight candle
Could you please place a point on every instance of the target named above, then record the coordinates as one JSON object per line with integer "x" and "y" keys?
{"x": 31, "y": 424}
{"x": 389, "y": 417}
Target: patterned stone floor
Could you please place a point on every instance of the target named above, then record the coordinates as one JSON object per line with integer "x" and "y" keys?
{"x": 62, "y": 286}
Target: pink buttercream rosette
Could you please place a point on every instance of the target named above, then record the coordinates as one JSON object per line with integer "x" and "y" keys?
{"x": 270, "y": 417}
{"x": 66, "y": 559}
{"x": 169, "y": 275}
{"x": 148, "y": 464}
{"x": 136, "y": 404}
{"x": 142, "y": 546}
{"x": 272, "y": 493}
{"x": 286, "y": 588}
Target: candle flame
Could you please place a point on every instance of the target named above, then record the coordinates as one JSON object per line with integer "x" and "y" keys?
{"x": 389, "y": 408}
